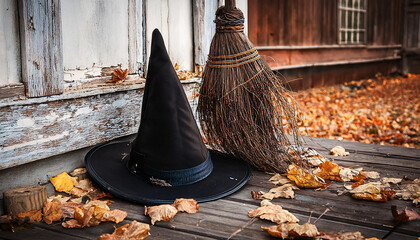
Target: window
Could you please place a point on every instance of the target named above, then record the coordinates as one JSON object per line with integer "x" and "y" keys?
{"x": 352, "y": 21}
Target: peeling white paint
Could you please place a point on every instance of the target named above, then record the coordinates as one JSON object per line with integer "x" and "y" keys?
{"x": 25, "y": 122}
{"x": 119, "y": 103}
{"x": 84, "y": 110}
{"x": 51, "y": 117}
{"x": 64, "y": 117}
{"x": 35, "y": 142}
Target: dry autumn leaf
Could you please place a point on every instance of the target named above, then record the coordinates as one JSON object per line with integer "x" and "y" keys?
{"x": 186, "y": 205}
{"x": 118, "y": 76}
{"x": 285, "y": 191}
{"x": 404, "y": 216}
{"x": 272, "y": 212}
{"x": 342, "y": 236}
{"x": 292, "y": 230}
{"x": 33, "y": 216}
{"x": 410, "y": 191}
{"x": 391, "y": 180}
{"x": 52, "y": 212}
{"x": 63, "y": 182}
{"x": 302, "y": 178}
{"x": 59, "y": 198}
{"x": 256, "y": 195}
{"x": 329, "y": 171}
{"x": 115, "y": 215}
{"x": 160, "y": 213}
{"x": 372, "y": 191}
{"x": 347, "y": 174}
{"x": 133, "y": 231}
{"x": 371, "y": 174}
{"x": 339, "y": 151}
{"x": 278, "y": 179}
{"x": 67, "y": 209}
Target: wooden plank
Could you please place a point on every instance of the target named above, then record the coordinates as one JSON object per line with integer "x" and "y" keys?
{"x": 41, "y": 47}
{"x": 135, "y": 36}
{"x": 204, "y": 29}
{"x": 38, "y": 130}
{"x": 37, "y": 233}
{"x": 10, "y": 64}
{"x": 12, "y": 91}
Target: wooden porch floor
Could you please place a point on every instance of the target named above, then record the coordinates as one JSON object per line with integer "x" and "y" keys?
{"x": 219, "y": 219}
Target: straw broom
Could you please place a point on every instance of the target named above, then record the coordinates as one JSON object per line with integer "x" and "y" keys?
{"x": 243, "y": 107}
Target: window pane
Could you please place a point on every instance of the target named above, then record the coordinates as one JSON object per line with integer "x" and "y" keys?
{"x": 355, "y": 37}
{"x": 343, "y": 3}
{"x": 356, "y": 3}
{"x": 355, "y": 20}
{"x": 350, "y": 3}
{"x": 342, "y": 37}
{"x": 362, "y": 4}
{"x": 349, "y": 19}
{"x": 362, "y": 36}
{"x": 343, "y": 18}
{"x": 349, "y": 37}
{"x": 362, "y": 21}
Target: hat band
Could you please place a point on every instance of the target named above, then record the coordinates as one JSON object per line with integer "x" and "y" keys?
{"x": 175, "y": 177}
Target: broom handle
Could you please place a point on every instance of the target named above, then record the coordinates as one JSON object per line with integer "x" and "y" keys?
{"x": 230, "y": 4}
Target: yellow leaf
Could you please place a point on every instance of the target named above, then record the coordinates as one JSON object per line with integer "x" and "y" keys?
{"x": 302, "y": 178}
{"x": 132, "y": 231}
{"x": 292, "y": 230}
{"x": 329, "y": 171}
{"x": 160, "y": 213}
{"x": 272, "y": 212}
{"x": 63, "y": 182}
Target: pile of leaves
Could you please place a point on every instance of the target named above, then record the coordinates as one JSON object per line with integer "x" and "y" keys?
{"x": 384, "y": 110}
{"x": 359, "y": 184}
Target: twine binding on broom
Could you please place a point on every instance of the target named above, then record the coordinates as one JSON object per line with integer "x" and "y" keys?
{"x": 243, "y": 107}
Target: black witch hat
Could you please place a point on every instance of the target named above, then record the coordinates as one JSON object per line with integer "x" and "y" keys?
{"x": 168, "y": 158}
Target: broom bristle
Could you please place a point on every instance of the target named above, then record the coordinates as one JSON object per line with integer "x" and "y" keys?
{"x": 243, "y": 107}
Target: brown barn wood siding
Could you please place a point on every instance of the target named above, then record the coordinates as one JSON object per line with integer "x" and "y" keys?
{"x": 384, "y": 22}
{"x": 292, "y": 22}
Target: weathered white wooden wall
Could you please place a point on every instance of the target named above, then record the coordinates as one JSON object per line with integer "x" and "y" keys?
{"x": 174, "y": 19}
{"x": 101, "y": 34}
{"x": 10, "y": 64}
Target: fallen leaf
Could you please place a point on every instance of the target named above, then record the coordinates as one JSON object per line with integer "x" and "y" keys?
{"x": 274, "y": 213}
{"x": 77, "y": 192}
{"x": 292, "y": 230}
{"x": 360, "y": 176}
{"x": 82, "y": 218}
{"x": 409, "y": 191}
{"x": 342, "y": 236}
{"x": 278, "y": 179}
{"x": 285, "y": 191}
{"x": 347, "y": 174}
{"x": 133, "y": 231}
{"x": 118, "y": 76}
{"x": 371, "y": 174}
{"x": 372, "y": 191}
{"x": 5, "y": 219}
{"x": 302, "y": 178}
{"x": 72, "y": 223}
{"x": 329, "y": 171}
{"x": 85, "y": 184}
{"x": 63, "y": 182}
{"x": 100, "y": 203}
{"x": 256, "y": 195}
{"x": 67, "y": 209}
{"x": 59, "y": 198}
{"x": 391, "y": 180}
{"x": 160, "y": 213}
{"x": 115, "y": 215}
{"x": 186, "y": 205}
{"x": 404, "y": 216}
{"x": 356, "y": 184}
{"x": 339, "y": 151}
{"x": 33, "y": 216}
{"x": 98, "y": 194}
{"x": 52, "y": 211}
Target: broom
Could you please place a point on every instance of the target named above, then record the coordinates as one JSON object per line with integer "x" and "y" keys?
{"x": 243, "y": 108}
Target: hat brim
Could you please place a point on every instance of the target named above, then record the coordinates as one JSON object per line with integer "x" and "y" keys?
{"x": 105, "y": 165}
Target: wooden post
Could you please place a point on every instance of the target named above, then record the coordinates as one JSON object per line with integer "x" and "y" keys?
{"x": 41, "y": 47}
{"x": 204, "y": 29}
{"x": 135, "y": 36}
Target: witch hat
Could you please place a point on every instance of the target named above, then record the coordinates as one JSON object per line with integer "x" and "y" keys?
{"x": 168, "y": 158}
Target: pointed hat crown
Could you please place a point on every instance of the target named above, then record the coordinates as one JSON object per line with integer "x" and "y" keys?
{"x": 168, "y": 148}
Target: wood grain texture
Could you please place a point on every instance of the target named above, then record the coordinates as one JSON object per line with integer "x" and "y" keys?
{"x": 41, "y": 47}
{"x": 24, "y": 199}
{"x": 47, "y": 128}
{"x": 204, "y": 29}
{"x": 135, "y": 36}
{"x": 10, "y": 62}
{"x": 12, "y": 91}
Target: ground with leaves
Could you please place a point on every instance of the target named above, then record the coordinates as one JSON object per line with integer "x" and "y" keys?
{"x": 384, "y": 110}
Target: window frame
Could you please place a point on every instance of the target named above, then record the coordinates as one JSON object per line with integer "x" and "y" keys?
{"x": 348, "y": 30}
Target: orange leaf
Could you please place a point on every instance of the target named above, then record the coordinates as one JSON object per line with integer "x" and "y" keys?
{"x": 302, "y": 178}
{"x": 34, "y": 215}
{"x": 52, "y": 211}
{"x": 118, "y": 75}
{"x": 132, "y": 231}
{"x": 186, "y": 205}
{"x": 329, "y": 171}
